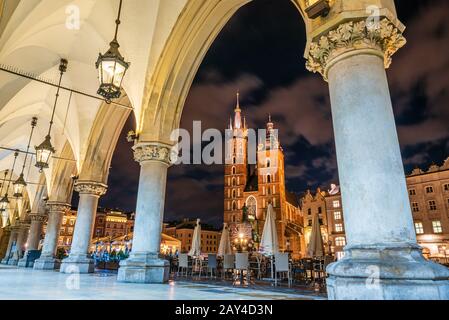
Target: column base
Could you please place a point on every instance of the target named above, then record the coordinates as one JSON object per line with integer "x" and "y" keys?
{"x": 28, "y": 259}
{"x": 387, "y": 272}
{"x": 144, "y": 268}
{"x": 13, "y": 262}
{"x": 77, "y": 264}
{"x": 46, "y": 263}
{"x": 5, "y": 261}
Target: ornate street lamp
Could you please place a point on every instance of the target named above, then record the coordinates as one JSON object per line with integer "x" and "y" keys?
{"x": 1, "y": 191}
{"x": 20, "y": 184}
{"x": 112, "y": 67}
{"x": 4, "y": 202}
{"x": 45, "y": 149}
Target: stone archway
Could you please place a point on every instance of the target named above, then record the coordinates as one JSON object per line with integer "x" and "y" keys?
{"x": 351, "y": 53}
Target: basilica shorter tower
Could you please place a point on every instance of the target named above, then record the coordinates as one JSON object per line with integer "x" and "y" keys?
{"x": 250, "y": 187}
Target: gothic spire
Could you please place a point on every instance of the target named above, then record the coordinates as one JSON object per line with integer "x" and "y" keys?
{"x": 238, "y": 114}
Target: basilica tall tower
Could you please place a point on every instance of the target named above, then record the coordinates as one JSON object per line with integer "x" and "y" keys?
{"x": 236, "y": 167}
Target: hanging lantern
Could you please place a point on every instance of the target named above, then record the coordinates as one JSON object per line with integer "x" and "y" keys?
{"x": 43, "y": 153}
{"x": 112, "y": 67}
{"x": 19, "y": 185}
{"x": 4, "y": 203}
{"x": 45, "y": 150}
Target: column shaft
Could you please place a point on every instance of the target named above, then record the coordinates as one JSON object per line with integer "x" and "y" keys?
{"x": 32, "y": 242}
{"x": 47, "y": 260}
{"x": 382, "y": 258}
{"x": 144, "y": 264}
{"x": 79, "y": 260}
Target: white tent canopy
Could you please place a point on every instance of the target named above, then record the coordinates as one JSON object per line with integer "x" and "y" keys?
{"x": 225, "y": 242}
{"x": 269, "y": 244}
{"x": 316, "y": 247}
{"x": 195, "y": 250}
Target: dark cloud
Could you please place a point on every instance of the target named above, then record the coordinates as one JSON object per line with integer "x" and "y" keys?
{"x": 259, "y": 52}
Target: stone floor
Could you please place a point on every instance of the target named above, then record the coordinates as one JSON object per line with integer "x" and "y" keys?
{"x": 28, "y": 284}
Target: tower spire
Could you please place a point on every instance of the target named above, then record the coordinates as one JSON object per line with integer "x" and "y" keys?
{"x": 238, "y": 114}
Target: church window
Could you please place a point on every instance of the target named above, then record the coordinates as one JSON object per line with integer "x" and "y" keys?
{"x": 234, "y": 206}
{"x": 268, "y": 178}
{"x": 268, "y": 163}
{"x": 234, "y": 182}
{"x": 233, "y": 170}
{"x": 233, "y": 193}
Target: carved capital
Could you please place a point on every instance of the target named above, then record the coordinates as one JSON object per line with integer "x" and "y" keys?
{"x": 91, "y": 187}
{"x": 153, "y": 152}
{"x": 58, "y": 207}
{"x": 37, "y": 217}
{"x": 383, "y": 39}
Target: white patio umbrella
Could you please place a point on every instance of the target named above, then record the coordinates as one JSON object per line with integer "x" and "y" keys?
{"x": 195, "y": 250}
{"x": 269, "y": 244}
{"x": 316, "y": 246}
{"x": 225, "y": 242}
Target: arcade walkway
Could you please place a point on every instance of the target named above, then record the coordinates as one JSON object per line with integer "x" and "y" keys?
{"x": 28, "y": 284}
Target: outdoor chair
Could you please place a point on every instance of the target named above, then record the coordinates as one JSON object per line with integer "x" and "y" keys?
{"x": 241, "y": 265}
{"x": 212, "y": 264}
{"x": 228, "y": 264}
{"x": 282, "y": 265}
{"x": 183, "y": 264}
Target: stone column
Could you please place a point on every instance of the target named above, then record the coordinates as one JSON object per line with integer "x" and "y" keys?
{"x": 4, "y": 241}
{"x": 144, "y": 264}
{"x": 47, "y": 260}
{"x": 20, "y": 243}
{"x": 12, "y": 240}
{"x": 34, "y": 236}
{"x": 79, "y": 260}
{"x": 383, "y": 260}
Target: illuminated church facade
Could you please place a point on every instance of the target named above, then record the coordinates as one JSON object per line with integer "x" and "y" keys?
{"x": 250, "y": 187}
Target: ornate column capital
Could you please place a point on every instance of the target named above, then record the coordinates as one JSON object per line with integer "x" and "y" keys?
{"x": 39, "y": 217}
{"x": 153, "y": 151}
{"x": 60, "y": 207}
{"x": 352, "y": 38}
{"x": 91, "y": 187}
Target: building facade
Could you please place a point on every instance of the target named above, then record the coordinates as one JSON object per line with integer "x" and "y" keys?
{"x": 250, "y": 186}
{"x": 429, "y": 201}
{"x": 108, "y": 223}
{"x": 210, "y": 237}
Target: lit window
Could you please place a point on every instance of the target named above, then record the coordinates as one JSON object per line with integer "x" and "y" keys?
{"x": 337, "y": 215}
{"x": 339, "y": 227}
{"x": 419, "y": 228}
{"x": 429, "y": 189}
{"x": 70, "y": 231}
{"x": 340, "y": 255}
{"x": 64, "y": 220}
{"x": 415, "y": 206}
{"x": 412, "y": 192}
{"x": 437, "y": 227}
{"x": 432, "y": 205}
{"x": 340, "y": 241}
{"x": 336, "y": 203}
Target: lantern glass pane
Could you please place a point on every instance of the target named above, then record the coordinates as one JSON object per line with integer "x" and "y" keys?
{"x": 18, "y": 189}
{"x": 112, "y": 72}
{"x": 43, "y": 155}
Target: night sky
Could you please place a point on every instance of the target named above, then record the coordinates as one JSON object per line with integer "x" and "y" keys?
{"x": 260, "y": 53}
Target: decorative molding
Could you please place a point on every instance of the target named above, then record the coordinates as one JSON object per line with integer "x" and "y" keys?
{"x": 384, "y": 37}
{"x": 91, "y": 187}
{"x": 153, "y": 152}
{"x": 58, "y": 207}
